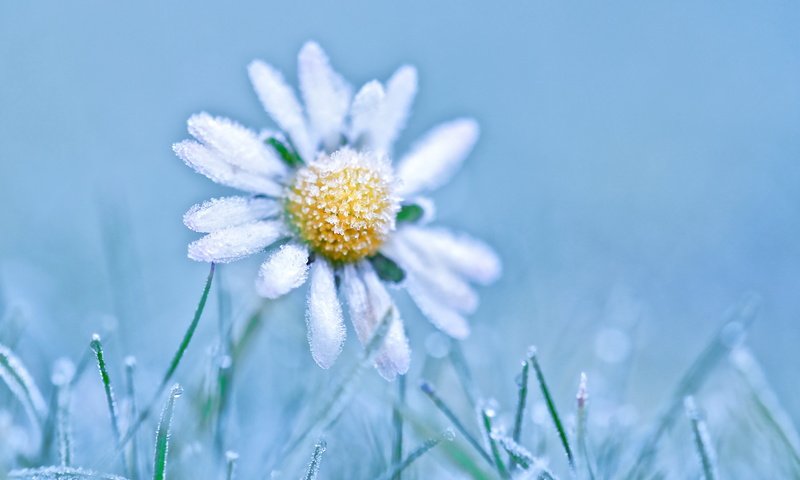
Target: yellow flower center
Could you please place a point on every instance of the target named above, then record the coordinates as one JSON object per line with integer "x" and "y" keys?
{"x": 343, "y": 205}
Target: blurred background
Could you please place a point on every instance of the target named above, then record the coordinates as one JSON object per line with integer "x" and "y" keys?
{"x": 637, "y": 172}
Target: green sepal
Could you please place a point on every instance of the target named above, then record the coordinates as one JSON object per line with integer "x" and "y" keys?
{"x": 387, "y": 269}
{"x": 287, "y": 154}
{"x": 410, "y": 213}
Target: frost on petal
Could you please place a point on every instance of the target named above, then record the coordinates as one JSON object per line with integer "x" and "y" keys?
{"x": 395, "y": 356}
{"x": 366, "y": 111}
{"x": 445, "y": 319}
{"x": 235, "y": 144}
{"x": 282, "y": 105}
{"x": 368, "y": 302}
{"x": 208, "y": 162}
{"x": 326, "y": 331}
{"x": 437, "y": 156}
{"x": 450, "y": 289}
{"x": 283, "y": 271}
{"x": 400, "y": 92}
{"x": 233, "y": 243}
{"x": 325, "y": 92}
{"x": 461, "y": 253}
{"x": 219, "y": 213}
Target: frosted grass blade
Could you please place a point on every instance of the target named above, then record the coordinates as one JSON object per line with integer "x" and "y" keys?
{"x": 176, "y": 359}
{"x": 316, "y": 459}
{"x": 486, "y": 417}
{"x": 397, "y": 422}
{"x": 702, "y": 441}
{"x": 582, "y": 400}
{"x": 525, "y": 459}
{"x": 162, "y": 434}
{"x": 428, "y": 390}
{"x": 522, "y": 400}
{"x": 63, "y": 371}
{"x": 60, "y": 473}
{"x": 230, "y": 464}
{"x": 97, "y": 346}
{"x": 397, "y": 468}
{"x": 130, "y": 391}
{"x": 551, "y": 408}
{"x": 22, "y": 386}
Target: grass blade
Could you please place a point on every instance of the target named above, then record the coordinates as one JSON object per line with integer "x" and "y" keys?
{"x": 63, "y": 371}
{"x": 316, "y": 459}
{"x": 726, "y": 338}
{"x": 702, "y": 440}
{"x": 486, "y": 416}
{"x": 21, "y": 384}
{"x": 582, "y": 399}
{"x": 130, "y": 391}
{"x": 230, "y": 464}
{"x": 97, "y": 346}
{"x": 162, "y": 434}
{"x": 176, "y": 359}
{"x": 428, "y": 390}
{"x": 522, "y": 400}
{"x": 551, "y": 407}
{"x": 397, "y": 422}
{"x": 524, "y": 458}
{"x": 767, "y": 403}
{"x": 397, "y": 468}
{"x": 60, "y": 473}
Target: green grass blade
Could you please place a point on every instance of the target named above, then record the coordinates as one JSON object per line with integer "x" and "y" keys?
{"x": 486, "y": 417}
{"x": 97, "y": 346}
{"x": 524, "y": 458}
{"x": 316, "y": 459}
{"x": 22, "y": 386}
{"x": 230, "y": 464}
{"x": 551, "y": 407}
{"x": 702, "y": 440}
{"x": 397, "y": 468}
{"x": 428, "y": 390}
{"x": 162, "y": 434}
{"x": 176, "y": 359}
{"x": 60, "y": 473}
{"x": 522, "y": 400}
{"x": 397, "y": 423}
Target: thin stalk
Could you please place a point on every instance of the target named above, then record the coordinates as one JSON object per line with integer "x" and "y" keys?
{"x": 486, "y": 417}
{"x": 582, "y": 400}
{"x": 21, "y": 384}
{"x": 162, "y": 434}
{"x": 701, "y": 440}
{"x": 97, "y": 347}
{"x": 551, "y": 407}
{"x": 130, "y": 391}
{"x": 316, "y": 460}
{"x": 63, "y": 372}
{"x": 522, "y": 399}
{"x": 428, "y": 390}
{"x": 230, "y": 464}
{"x": 397, "y": 468}
{"x": 397, "y": 422}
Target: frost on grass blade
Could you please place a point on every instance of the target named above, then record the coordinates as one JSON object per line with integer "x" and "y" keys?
{"x": 395, "y": 470}
{"x": 21, "y": 384}
{"x": 63, "y": 372}
{"x": 551, "y": 407}
{"x": 162, "y": 435}
{"x": 60, "y": 473}
{"x": 487, "y": 415}
{"x": 316, "y": 458}
{"x": 97, "y": 347}
{"x": 702, "y": 440}
{"x": 231, "y": 458}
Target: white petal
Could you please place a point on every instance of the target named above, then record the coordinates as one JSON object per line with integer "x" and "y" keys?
{"x": 326, "y": 331}
{"x": 443, "y": 318}
{"x": 326, "y": 94}
{"x": 450, "y": 289}
{"x": 281, "y": 103}
{"x": 395, "y": 356}
{"x": 236, "y": 144}
{"x": 400, "y": 92}
{"x": 208, "y": 162}
{"x": 365, "y": 112}
{"x": 434, "y": 159}
{"x": 368, "y": 302}
{"x": 461, "y": 253}
{"x": 219, "y": 213}
{"x": 233, "y": 243}
{"x": 284, "y": 271}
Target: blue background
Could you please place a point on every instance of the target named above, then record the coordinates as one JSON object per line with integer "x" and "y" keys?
{"x": 637, "y": 169}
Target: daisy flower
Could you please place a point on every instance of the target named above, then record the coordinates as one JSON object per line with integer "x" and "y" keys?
{"x": 324, "y": 193}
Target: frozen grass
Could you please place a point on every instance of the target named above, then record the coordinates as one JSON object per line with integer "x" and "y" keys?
{"x": 531, "y": 434}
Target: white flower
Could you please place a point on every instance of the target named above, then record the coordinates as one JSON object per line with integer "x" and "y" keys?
{"x": 347, "y": 220}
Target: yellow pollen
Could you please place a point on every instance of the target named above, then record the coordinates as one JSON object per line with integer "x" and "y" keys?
{"x": 342, "y": 206}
